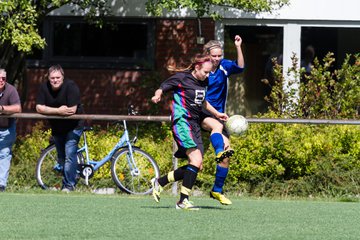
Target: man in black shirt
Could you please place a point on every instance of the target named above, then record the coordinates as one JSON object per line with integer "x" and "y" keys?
{"x": 59, "y": 96}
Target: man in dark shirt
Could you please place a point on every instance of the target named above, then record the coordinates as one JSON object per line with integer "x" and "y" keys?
{"x": 59, "y": 96}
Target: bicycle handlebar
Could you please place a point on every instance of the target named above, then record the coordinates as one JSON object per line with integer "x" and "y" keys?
{"x": 131, "y": 110}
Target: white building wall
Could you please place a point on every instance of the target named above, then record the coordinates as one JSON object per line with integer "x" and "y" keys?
{"x": 318, "y": 10}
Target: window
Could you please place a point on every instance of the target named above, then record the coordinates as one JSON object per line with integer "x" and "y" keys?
{"x": 260, "y": 44}
{"x": 338, "y": 40}
{"x": 72, "y": 42}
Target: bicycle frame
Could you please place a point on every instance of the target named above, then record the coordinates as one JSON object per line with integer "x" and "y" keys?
{"x": 123, "y": 141}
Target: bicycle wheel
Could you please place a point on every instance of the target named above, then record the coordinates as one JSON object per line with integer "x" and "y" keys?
{"x": 49, "y": 173}
{"x": 134, "y": 180}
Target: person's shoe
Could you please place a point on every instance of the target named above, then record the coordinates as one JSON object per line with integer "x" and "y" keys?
{"x": 58, "y": 168}
{"x": 186, "y": 205}
{"x": 220, "y": 197}
{"x": 67, "y": 189}
{"x": 156, "y": 189}
{"x": 224, "y": 154}
{"x": 2, "y": 188}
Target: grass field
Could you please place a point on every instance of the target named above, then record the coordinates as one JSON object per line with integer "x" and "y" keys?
{"x": 88, "y": 216}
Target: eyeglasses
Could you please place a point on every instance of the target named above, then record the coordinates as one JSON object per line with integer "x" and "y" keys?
{"x": 3, "y": 79}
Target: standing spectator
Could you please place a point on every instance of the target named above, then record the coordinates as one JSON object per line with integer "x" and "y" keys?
{"x": 217, "y": 96}
{"x": 189, "y": 90}
{"x": 59, "y": 96}
{"x": 9, "y": 103}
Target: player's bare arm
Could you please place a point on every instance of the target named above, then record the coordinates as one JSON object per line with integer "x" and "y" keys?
{"x": 213, "y": 111}
{"x": 240, "y": 56}
{"x": 62, "y": 110}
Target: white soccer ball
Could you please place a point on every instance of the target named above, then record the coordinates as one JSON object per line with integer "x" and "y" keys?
{"x": 236, "y": 125}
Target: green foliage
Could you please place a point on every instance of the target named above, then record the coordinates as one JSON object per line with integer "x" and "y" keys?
{"x": 20, "y": 20}
{"x": 270, "y": 159}
{"x": 157, "y": 140}
{"x": 292, "y": 160}
{"x": 26, "y": 150}
{"x": 18, "y": 24}
{"x": 324, "y": 93}
{"x": 203, "y": 7}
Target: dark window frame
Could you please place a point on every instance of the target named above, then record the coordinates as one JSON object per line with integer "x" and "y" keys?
{"x": 48, "y": 58}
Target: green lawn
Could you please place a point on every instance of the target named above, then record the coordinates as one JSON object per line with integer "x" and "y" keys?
{"x": 88, "y": 216}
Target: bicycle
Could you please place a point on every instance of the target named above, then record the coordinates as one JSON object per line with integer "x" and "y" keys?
{"x": 131, "y": 167}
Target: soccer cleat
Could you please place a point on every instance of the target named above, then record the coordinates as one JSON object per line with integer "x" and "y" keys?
{"x": 186, "y": 205}
{"x": 156, "y": 189}
{"x": 224, "y": 154}
{"x": 220, "y": 197}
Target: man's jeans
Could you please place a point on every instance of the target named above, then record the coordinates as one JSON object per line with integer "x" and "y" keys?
{"x": 7, "y": 139}
{"x": 66, "y": 147}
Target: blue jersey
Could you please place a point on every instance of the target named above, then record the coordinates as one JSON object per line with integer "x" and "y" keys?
{"x": 218, "y": 83}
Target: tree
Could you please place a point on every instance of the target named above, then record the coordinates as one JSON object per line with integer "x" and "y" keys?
{"x": 203, "y": 7}
{"x": 20, "y": 21}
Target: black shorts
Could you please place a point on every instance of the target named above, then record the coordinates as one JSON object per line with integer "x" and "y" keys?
{"x": 187, "y": 134}
{"x": 204, "y": 114}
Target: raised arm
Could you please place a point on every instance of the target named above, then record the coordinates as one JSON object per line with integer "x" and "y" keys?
{"x": 240, "y": 57}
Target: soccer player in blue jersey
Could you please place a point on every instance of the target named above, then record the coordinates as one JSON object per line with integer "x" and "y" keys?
{"x": 189, "y": 90}
{"x": 217, "y": 96}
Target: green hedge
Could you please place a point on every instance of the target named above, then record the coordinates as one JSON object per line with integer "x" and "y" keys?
{"x": 297, "y": 160}
{"x": 270, "y": 159}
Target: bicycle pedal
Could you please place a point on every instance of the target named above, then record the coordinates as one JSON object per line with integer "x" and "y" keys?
{"x": 86, "y": 170}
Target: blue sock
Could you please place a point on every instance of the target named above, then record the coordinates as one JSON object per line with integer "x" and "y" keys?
{"x": 217, "y": 141}
{"x": 220, "y": 177}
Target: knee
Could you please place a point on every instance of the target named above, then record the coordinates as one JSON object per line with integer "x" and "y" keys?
{"x": 217, "y": 127}
{"x": 196, "y": 163}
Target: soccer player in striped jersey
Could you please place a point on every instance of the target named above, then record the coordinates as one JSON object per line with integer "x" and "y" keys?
{"x": 189, "y": 90}
{"x": 217, "y": 96}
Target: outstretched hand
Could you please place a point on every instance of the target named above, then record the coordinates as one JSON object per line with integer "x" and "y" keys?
{"x": 157, "y": 96}
{"x": 156, "y": 99}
